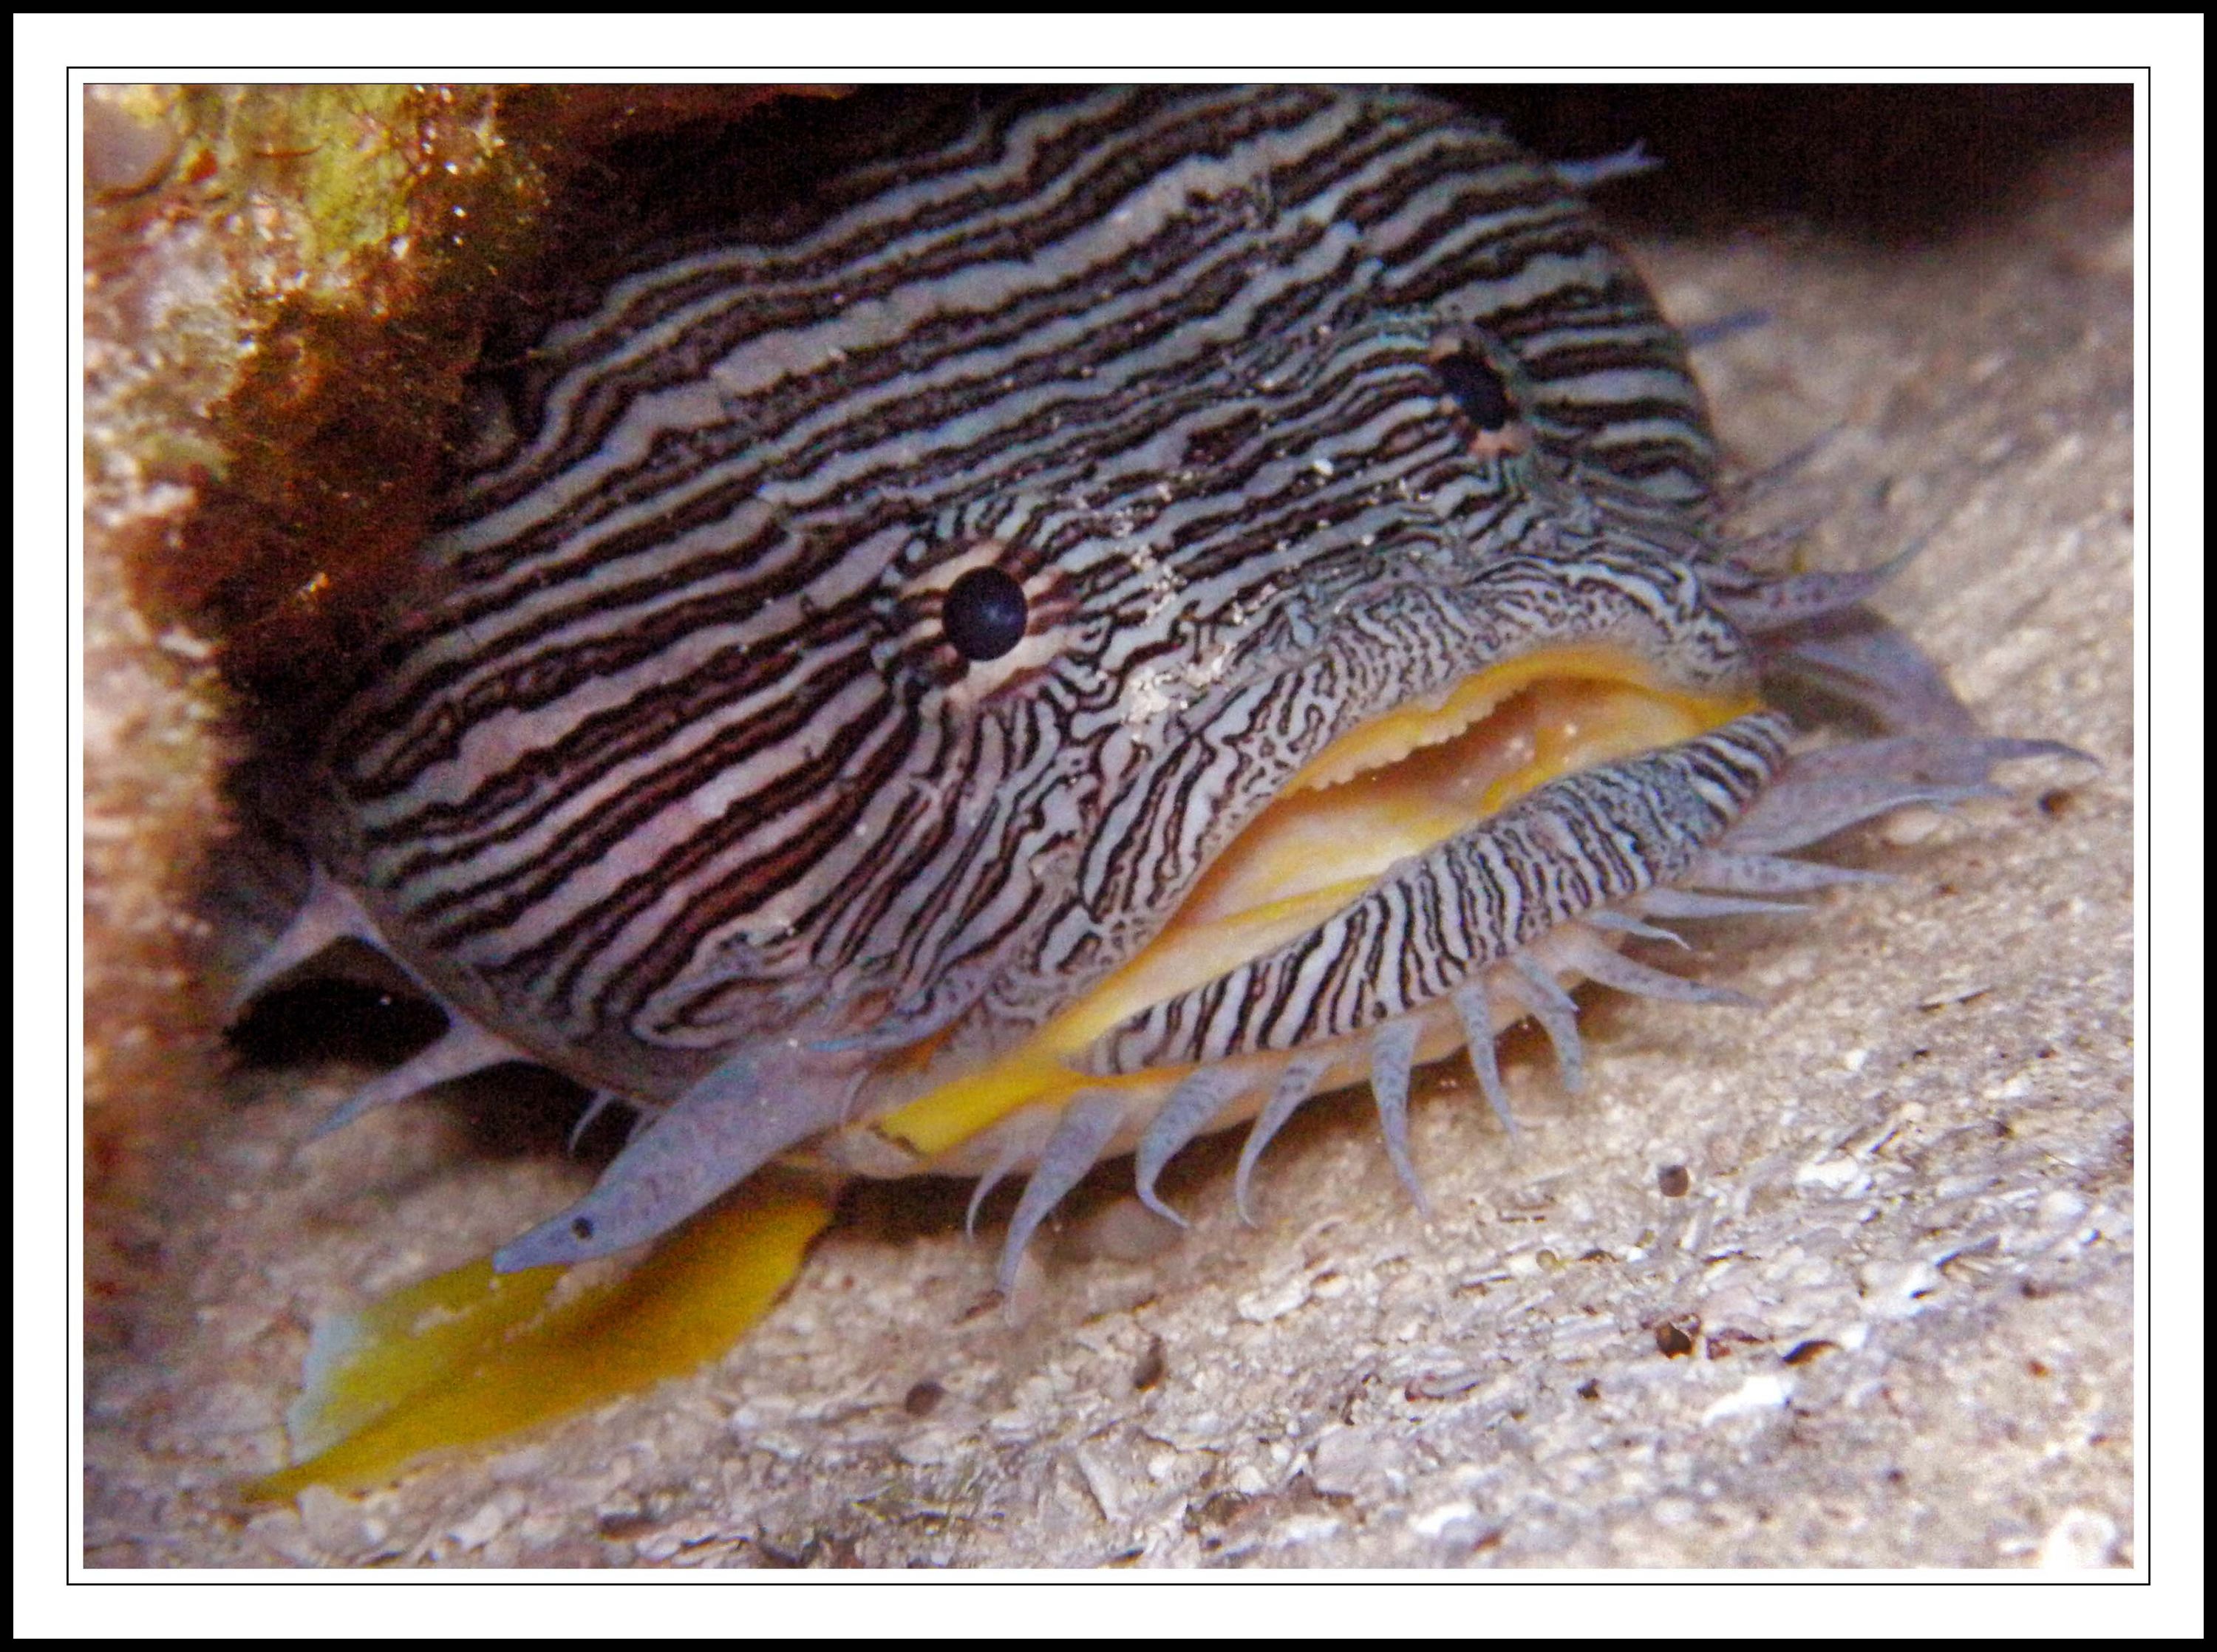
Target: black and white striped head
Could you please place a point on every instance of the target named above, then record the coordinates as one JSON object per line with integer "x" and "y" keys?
{"x": 868, "y": 636}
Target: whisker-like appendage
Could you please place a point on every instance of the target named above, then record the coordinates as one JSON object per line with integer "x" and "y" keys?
{"x": 1703, "y": 334}
{"x": 1296, "y": 1084}
{"x": 1088, "y": 1124}
{"x": 1475, "y": 1008}
{"x": 1745, "y": 492}
{"x": 602, "y": 1101}
{"x": 1392, "y": 1055}
{"x": 1769, "y": 874}
{"x": 1796, "y": 815}
{"x": 1600, "y": 169}
{"x": 1023, "y": 1138}
{"x": 1190, "y": 1109}
{"x": 330, "y": 915}
{"x": 1688, "y": 903}
{"x": 1626, "y": 923}
{"x": 463, "y": 1048}
{"x": 1612, "y": 969}
{"x": 1558, "y": 1015}
{"x": 1780, "y": 604}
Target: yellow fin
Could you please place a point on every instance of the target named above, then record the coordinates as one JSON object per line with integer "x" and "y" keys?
{"x": 471, "y": 1354}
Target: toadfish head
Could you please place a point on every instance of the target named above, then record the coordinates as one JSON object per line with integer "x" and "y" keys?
{"x": 1178, "y": 600}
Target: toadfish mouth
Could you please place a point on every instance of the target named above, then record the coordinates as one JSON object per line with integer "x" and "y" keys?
{"x": 1378, "y": 797}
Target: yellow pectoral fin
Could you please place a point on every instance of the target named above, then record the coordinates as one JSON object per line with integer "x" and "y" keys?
{"x": 472, "y": 1355}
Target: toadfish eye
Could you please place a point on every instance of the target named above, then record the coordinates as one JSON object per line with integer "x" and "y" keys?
{"x": 984, "y": 613}
{"x": 1477, "y": 389}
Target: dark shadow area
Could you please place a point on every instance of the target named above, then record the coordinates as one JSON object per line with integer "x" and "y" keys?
{"x": 1887, "y": 162}
{"x": 1890, "y": 164}
{"x": 300, "y": 1023}
{"x": 515, "y": 1110}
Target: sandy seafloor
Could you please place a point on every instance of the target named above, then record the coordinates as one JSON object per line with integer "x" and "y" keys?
{"x": 1901, "y": 1267}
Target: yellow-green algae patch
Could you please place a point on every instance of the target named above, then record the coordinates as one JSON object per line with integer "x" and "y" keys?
{"x": 469, "y": 1356}
{"x": 349, "y": 168}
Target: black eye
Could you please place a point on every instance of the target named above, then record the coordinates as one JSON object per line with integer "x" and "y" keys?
{"x": 1477, "y": 389}
{"x": 984, "y": 613}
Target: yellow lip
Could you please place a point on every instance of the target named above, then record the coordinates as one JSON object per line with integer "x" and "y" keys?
{"x": 1394, "y": 787}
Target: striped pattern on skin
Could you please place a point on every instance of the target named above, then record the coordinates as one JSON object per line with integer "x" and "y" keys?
{"x": 1440, "y": 919}
{"x": 678, "y": 759}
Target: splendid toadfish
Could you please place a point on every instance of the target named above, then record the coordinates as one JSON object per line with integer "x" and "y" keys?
{"x": 1168, "y": 604}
